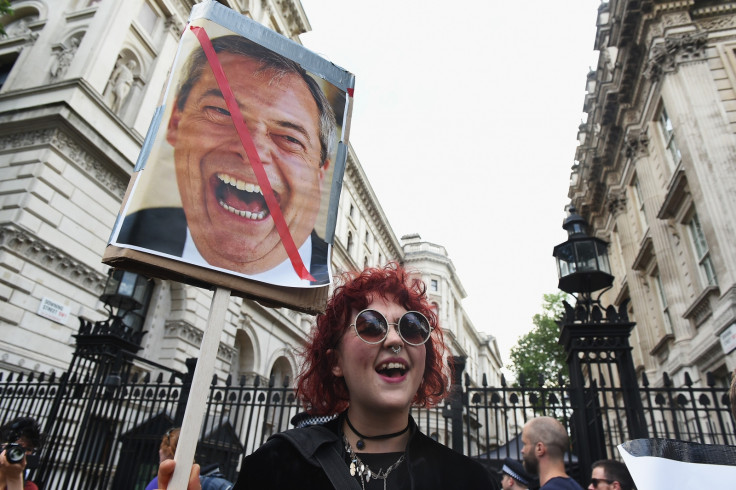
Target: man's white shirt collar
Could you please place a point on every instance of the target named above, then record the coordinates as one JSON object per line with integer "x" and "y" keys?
{"x": 281, "y": 275}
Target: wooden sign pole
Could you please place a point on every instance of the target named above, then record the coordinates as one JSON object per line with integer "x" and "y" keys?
{"x": 196, "y": 404}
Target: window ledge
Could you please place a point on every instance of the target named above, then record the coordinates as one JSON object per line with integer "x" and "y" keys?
{"x": 700, "y": 309}
{"x": 676, "y": 192}
{"x": 645, "y": 255}
{"x": 665, "y": 340}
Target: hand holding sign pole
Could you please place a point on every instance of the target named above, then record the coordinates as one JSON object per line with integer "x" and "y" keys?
{"x": 197, "y": 402}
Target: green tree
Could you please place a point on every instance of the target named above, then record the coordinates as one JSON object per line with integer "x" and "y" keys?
{"x": 537, "y": 352}
{"x": 4, "y": 10}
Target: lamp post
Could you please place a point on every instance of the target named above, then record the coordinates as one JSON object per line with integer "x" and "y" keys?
{"x": 125, "y": 297}
{"x": 582, "y": 263}
{"x": 595, "y": 339}
{"x": 125, "y": 291}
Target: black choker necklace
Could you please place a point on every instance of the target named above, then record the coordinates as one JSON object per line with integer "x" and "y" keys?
{"x": 361, "y": 443}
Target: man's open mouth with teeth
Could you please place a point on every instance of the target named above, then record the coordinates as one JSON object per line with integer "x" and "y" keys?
{"x": 241, "y": 198}
{"x": 392, "y": 369}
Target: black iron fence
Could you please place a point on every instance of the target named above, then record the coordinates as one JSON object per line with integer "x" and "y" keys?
{"x": 496, "y": 415}
{"x": 103, "y": 428}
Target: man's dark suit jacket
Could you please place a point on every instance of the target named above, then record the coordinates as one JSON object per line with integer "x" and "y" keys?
{"x": 165, "y": 230}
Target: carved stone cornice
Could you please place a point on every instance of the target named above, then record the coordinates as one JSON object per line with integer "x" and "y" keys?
{"x": 636, "y": 144}
{"x": 66, "y": 145}
{"x": 292, "y": 17}
{"x": 665, "y": 57}
{"x": 174, "y": 26}
{"x": 184, "y": 331}
{"x": 47, "y": 257}
{"x": 718, "y": 23}
{"x": 616, "y": 202}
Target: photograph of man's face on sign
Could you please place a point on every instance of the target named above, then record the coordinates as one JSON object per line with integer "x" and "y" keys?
{"x": 198, "y": 198}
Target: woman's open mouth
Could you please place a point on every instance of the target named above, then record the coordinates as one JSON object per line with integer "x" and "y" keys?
{"x": 392, "y": 369}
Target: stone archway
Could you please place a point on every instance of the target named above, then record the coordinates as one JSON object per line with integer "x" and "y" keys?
{"x": 282, "y": 370}
{"x": 243, "y": 363}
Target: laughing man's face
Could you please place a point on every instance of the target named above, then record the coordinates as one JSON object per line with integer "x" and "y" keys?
{"x": 225, "y": 209}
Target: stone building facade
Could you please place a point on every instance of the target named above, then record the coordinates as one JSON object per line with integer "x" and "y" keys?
{"x": 655, "y": 176}
{"x": 80, "y": 81}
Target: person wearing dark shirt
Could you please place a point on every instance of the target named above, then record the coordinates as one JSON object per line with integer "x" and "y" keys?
{"x": 545, "y": 443}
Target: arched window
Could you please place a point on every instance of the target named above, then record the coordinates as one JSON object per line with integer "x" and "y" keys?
{"x": 281, "y": 372}
{"x": 243, "y": 362}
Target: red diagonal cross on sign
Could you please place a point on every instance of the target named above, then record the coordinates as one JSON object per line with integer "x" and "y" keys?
{"x": 252, "y": 153}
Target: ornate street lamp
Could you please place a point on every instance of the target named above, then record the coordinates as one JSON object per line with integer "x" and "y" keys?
{"x": 129, "y": 293}
{"x": 596, "y": 339}
{"x": 582, "y": 261}
{"x": 126, "y": 291}
{"x": 104, "y": 340}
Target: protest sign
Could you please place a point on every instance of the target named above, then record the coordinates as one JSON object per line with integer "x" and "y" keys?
{"x": 239, "y": 178}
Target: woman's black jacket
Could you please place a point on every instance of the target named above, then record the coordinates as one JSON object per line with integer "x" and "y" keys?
{"x": 279, "y": 464}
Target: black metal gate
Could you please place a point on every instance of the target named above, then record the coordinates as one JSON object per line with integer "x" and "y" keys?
{"x": 103, "y": 419}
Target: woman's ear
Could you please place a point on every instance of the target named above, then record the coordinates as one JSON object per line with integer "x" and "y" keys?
{"x": 335, "y": 357}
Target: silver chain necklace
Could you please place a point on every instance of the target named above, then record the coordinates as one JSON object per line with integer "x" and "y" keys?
{"x": 363, "y": 472}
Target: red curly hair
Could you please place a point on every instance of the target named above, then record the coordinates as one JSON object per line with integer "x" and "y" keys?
{"x": 323, "y": 393}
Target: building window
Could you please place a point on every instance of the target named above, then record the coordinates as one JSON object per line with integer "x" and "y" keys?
{"x": 663, "y": 304}
{"x": 6, "y": 64}
{"x": 147, "y": 18}
{"x": 352, "y": 211}
{"x": 639, "y": 201}
{"x": 350, "y": 242}
{"x": 668, "y": 133}
{"x": 702, "y": 253}
{"x": 434, "y": 285}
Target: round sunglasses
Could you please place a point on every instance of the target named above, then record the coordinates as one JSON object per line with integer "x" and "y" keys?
{"x": 372, "y": 327}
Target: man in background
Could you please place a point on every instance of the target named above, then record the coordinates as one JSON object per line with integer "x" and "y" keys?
{"x": 20, "y": 438}
{"x": 545, "y": 443}
{"x": 515, "y": 476}
{"x": 609, "y": 474}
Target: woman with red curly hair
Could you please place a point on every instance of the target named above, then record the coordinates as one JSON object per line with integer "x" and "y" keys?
{"x": 376, "y": 351}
